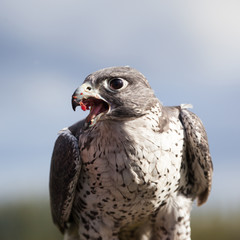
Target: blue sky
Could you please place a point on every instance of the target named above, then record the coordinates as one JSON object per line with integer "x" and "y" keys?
{"x": 188, "y": 50}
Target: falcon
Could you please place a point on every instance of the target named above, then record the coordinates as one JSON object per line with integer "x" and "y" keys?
{"x": 132, "y": 168}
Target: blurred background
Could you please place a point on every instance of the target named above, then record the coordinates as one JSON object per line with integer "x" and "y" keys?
{"x": 188, "y": 50}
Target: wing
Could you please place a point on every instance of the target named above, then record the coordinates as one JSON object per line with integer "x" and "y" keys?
{"x": 198, "y": 157}
{"x": 64, "y": 173}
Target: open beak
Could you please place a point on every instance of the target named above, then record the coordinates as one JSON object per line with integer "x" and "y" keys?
{"x": 89, "y": 99}
{"x": 84, "y": 91}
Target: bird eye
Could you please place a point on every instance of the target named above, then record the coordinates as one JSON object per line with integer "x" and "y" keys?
{"x": 116, "y": 83}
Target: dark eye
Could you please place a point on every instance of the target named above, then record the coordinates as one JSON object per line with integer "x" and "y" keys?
{"x": 116, "y": 83}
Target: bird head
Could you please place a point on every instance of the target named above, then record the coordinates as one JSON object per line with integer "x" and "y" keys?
{"x": 115, "y": 93}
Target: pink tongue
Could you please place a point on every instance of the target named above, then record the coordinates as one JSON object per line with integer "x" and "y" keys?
{"x": 94, "y": 112}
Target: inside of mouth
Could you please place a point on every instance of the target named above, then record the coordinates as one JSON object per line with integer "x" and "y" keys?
{"x": 96, "y": 107}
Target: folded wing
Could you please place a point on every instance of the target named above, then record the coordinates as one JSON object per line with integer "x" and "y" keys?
{"x": 198, "y": 156}
{"x": 64, "y": 174}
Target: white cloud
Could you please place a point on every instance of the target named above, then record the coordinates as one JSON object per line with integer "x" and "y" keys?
{"x": 214, "y": 27}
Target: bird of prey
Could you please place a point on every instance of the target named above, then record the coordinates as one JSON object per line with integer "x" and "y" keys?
{"x": 132, "y": 168}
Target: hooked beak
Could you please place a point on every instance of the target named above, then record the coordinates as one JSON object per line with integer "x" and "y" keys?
{"x": 89, "y": 99}
{"x": 76, "y": 99}
{"x": 83, "y": 92}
